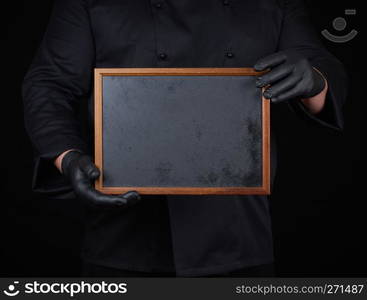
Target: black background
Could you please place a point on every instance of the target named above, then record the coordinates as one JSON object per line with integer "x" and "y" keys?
{"x": 319, "y": 214}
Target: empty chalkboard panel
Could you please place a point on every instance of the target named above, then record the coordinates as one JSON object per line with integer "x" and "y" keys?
{"x": 181, "y": 131}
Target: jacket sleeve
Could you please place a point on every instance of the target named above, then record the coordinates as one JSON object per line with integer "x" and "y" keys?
{"x": 53, "y": 88}
{"x": 299, "y": 35}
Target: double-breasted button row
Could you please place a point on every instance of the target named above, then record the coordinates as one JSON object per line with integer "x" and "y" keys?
{"x": 160, "y": 4}
{"x": 163, "y": 56}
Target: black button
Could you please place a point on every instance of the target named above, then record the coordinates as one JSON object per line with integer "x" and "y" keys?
{"x": 229, "y": 54}
{"x": 158, "y": 5}
{"x": 225, "y": 2}
{"x": 162, "y": 56}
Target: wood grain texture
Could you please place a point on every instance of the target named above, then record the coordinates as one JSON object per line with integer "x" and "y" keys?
{"x": 178, "y": 72}
{"x": 100, "y": 73}
{"x": 98, "y": 127}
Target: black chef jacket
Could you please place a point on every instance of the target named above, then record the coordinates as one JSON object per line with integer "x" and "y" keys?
{"x": 192, "y": 235}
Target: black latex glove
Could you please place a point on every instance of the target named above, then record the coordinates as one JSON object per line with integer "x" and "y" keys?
{"x": 291, "y": 76}
{"x": 80, "y": 170}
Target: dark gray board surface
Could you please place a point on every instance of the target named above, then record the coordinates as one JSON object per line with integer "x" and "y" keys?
{"x": 182, "y": 131}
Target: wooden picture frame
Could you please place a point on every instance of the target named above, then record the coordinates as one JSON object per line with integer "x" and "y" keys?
{"x": 100, "y": 74}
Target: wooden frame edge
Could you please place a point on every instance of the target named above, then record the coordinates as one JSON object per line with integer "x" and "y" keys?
{"x": 178, "y": 71}
{"x": 98, "y": 126}
{"x": 187, "y": 190}
{"x": 266, "y": 143}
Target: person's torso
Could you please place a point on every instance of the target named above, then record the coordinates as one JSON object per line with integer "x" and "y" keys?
{"x": 184, "y": 33}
